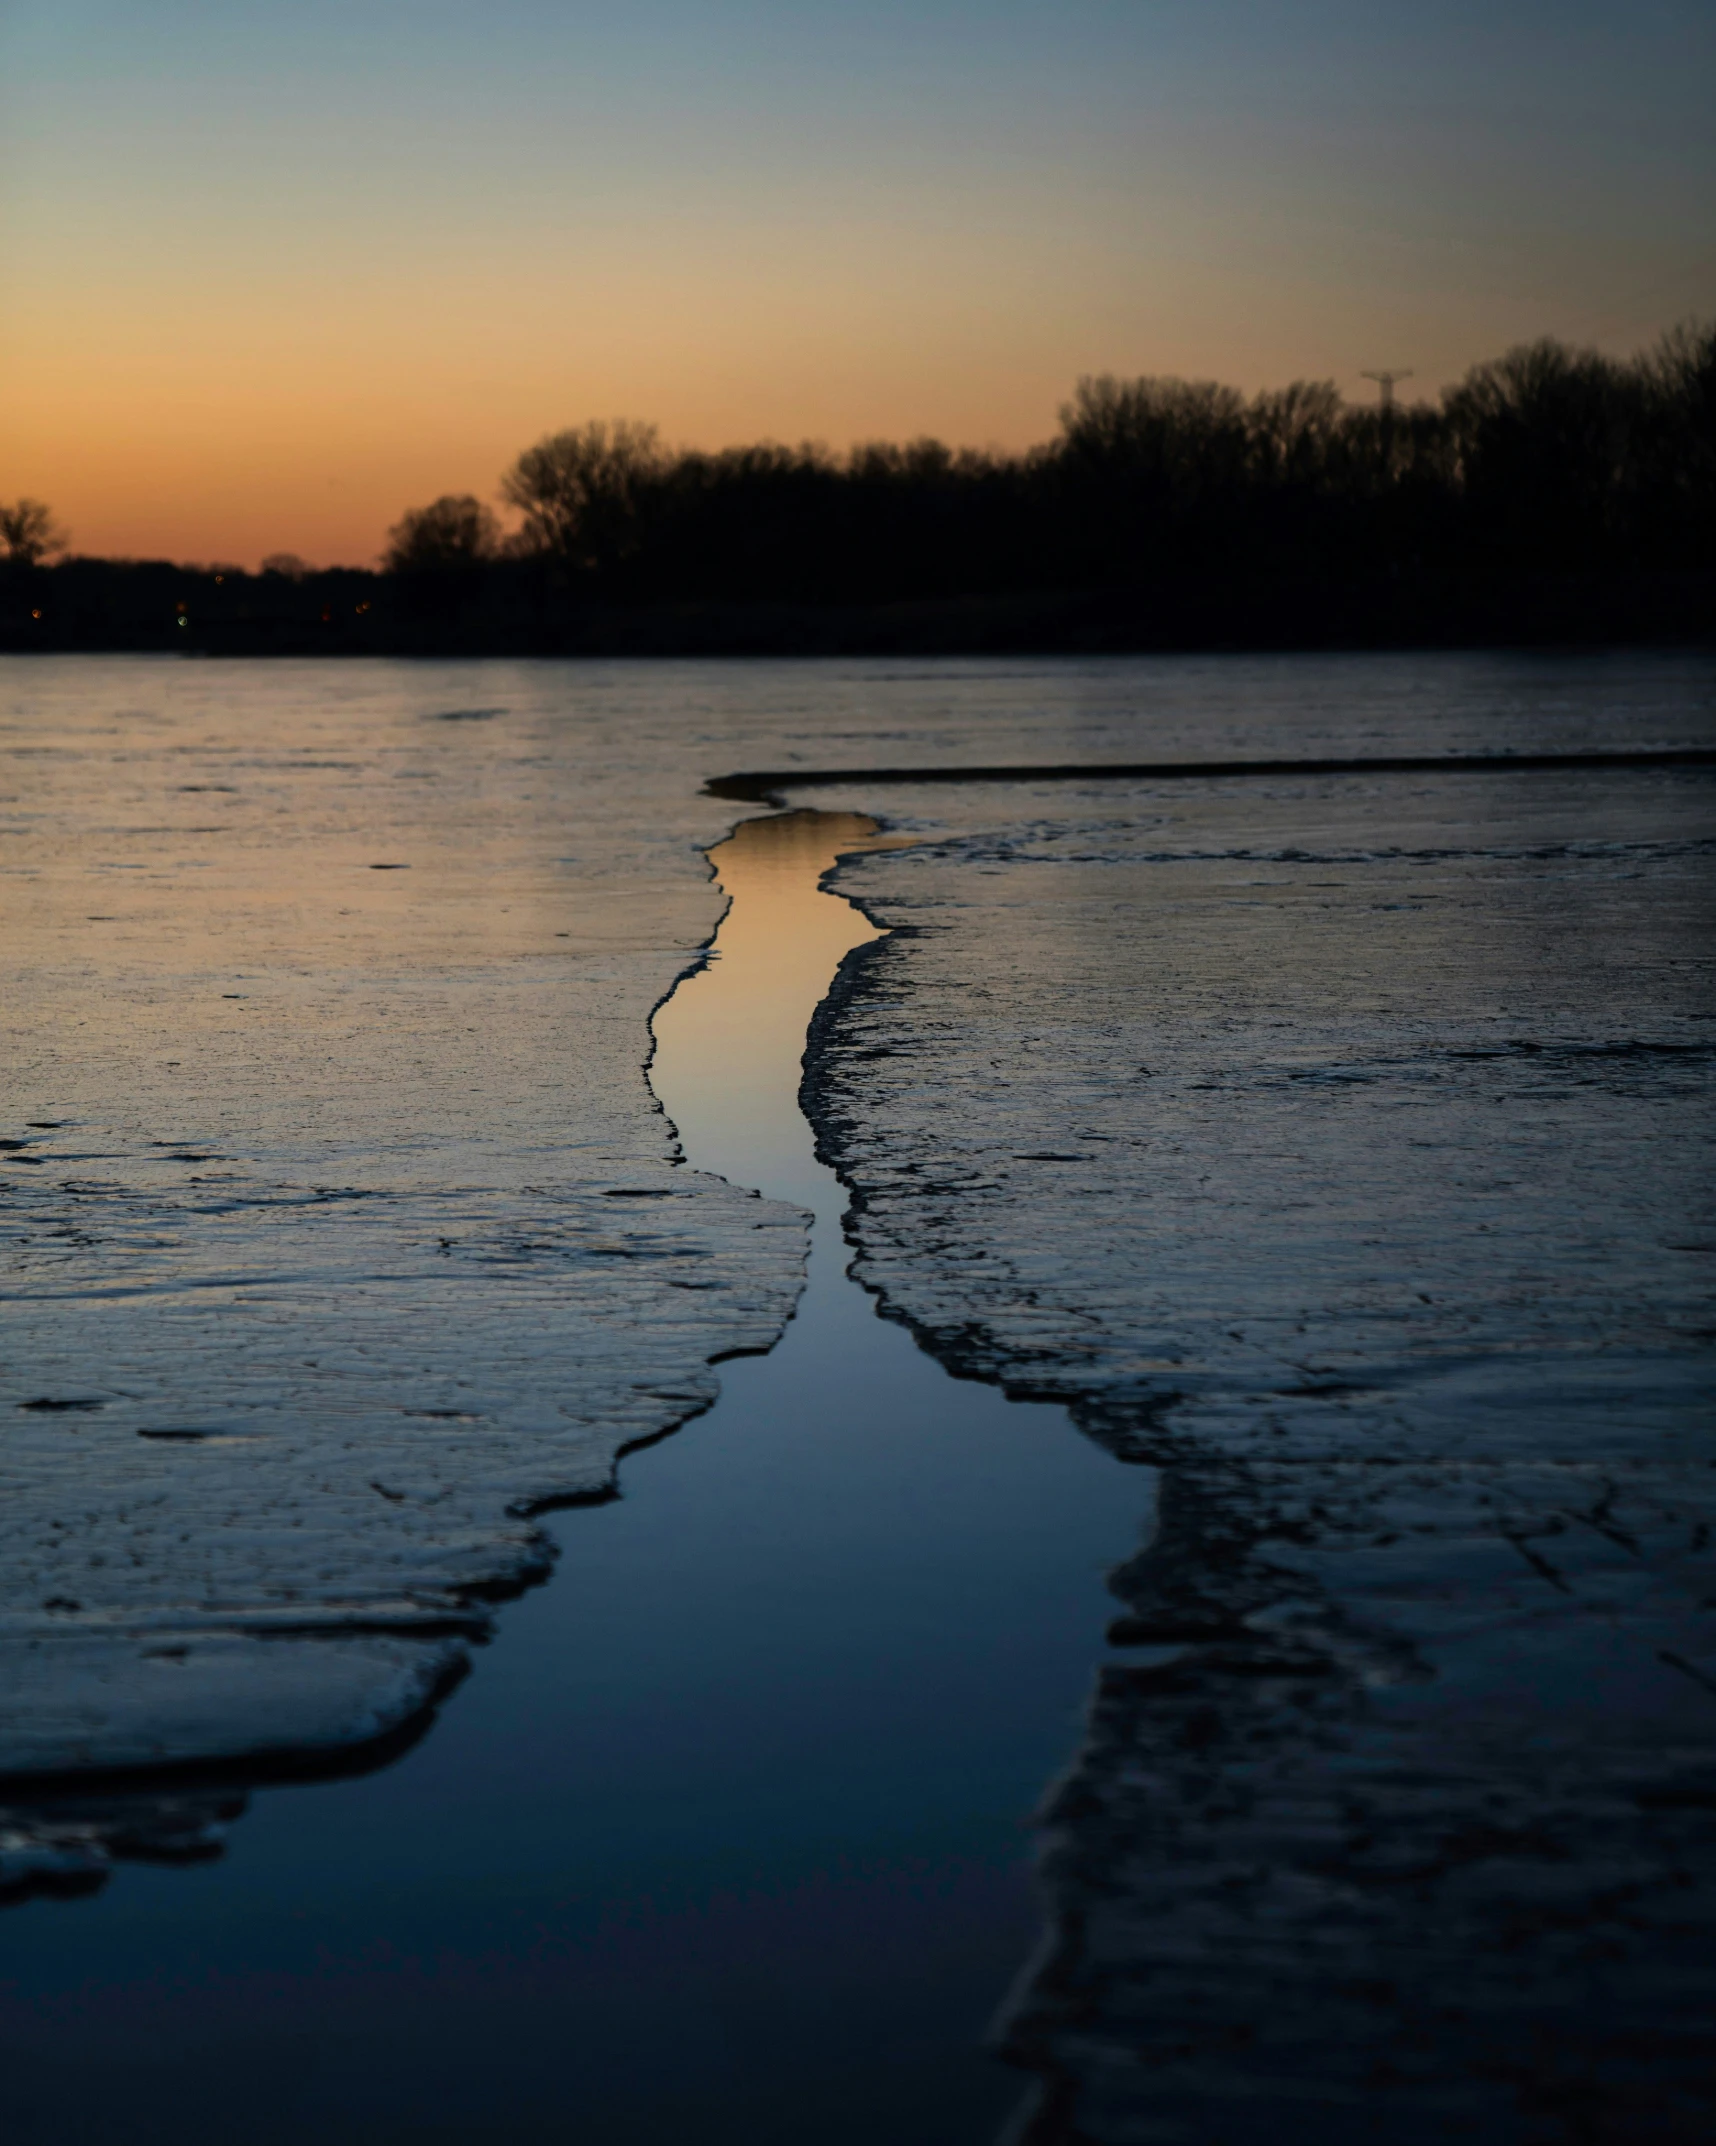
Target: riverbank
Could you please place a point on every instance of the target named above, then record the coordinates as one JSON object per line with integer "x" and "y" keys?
{"x": 91, "y": 606}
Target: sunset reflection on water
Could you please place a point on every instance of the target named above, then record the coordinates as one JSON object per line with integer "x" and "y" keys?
{"x": 734, "y": 1098}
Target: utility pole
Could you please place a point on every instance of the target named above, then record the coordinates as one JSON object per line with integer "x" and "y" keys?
{"x": 1385, "y": 416}
{"x": 1385, "y": 381}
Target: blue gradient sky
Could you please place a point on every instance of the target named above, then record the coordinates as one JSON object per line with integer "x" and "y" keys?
{"x": 270, "y": 273}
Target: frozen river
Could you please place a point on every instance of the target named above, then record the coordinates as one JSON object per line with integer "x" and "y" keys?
{"x": 1331, "y": 1148}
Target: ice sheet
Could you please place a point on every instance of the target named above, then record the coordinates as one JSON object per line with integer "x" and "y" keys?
{"x": 1345, "y": 1148}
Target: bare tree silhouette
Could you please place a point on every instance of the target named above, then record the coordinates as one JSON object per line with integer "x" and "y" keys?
{"x": 581, "y": 491}
{"x": 28, "y": 531}
{"x": 452, "y": 534}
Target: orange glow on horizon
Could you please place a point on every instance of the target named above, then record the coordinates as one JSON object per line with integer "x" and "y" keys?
{"x": 256, "y": 300}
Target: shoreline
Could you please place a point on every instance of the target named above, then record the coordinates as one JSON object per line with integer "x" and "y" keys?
{"x": 154, "y": 607}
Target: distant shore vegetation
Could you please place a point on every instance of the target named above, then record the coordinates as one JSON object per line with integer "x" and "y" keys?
{"x": 1554, "y": 492}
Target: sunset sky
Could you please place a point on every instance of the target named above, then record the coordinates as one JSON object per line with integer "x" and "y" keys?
{"x": 271, "y": 273}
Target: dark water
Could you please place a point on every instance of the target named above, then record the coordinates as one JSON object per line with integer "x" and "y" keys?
{"x": 727, "y": 1838}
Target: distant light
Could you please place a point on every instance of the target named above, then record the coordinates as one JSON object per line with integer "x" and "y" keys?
{"x": 184, "y": 621}
{"x": 35, "y": 614}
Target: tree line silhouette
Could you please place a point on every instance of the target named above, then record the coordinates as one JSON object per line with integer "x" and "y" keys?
{"x": 1552, "y": 490}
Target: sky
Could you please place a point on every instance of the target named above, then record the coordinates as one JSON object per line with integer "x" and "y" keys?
{"x": 272, "y": 273}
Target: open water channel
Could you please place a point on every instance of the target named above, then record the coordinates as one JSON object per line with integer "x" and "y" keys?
{"x": 1365, "y": 1110}
{"x": 728, "y": 1836}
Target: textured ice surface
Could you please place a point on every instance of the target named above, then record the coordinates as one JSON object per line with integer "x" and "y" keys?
{"x": 1344, "y": 1147}
{"x": 340, "y": 1226}
{"x": 332, "y": 1241}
